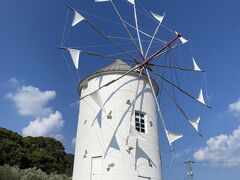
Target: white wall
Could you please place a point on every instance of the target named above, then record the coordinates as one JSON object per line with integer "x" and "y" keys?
{"x": 100, "y": 136}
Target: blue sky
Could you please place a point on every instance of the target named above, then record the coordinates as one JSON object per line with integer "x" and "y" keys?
{"x": 33, "y": 67}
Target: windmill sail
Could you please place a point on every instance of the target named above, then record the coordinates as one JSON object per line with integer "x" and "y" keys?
{"x": 182, "y": 39}
{"x": 201, "y": 98}
{"x": 157, "y": 17}
{"x": 196, "y": 67}
{"x": 75, "y": 56}
{"x": 77, "y": 18}
{"x": 132, "y": 2}
{"x": 195, "y": 123}
{"x": 173, "y": 136}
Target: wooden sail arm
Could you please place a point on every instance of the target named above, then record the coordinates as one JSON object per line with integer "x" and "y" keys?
{"x": 161, "y": 50}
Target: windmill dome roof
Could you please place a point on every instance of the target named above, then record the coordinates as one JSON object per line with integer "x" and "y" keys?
{"x": 118, "y": 67}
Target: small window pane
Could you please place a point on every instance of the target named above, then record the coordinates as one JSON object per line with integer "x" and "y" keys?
{"x": 140, "y": 122}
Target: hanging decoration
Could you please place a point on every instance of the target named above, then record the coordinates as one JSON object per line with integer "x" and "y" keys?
{"x": 75, "y": 56}
{"x": 196, "y": 67}
{"x": 201, "y": 98}
{"x": 157, "y": 17}
{"x": 195, "y": 123}
{"x": 132, "y": 2}
{"x": 173, "y": 136}
{"x": 77, "y": 18}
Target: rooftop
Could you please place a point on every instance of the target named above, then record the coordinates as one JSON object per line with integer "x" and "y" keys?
{"x": 117, "y": 67}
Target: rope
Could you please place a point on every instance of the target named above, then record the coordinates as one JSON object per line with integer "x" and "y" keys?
{"x": 138, "y": 35}
{"x": 68, "y": 33}
{"x": 120, "y": 24}
{"x": 128, "y": 51}
{"x": 69, "y": 69}
{"x": 206, "y": 87}
{"x": 105, "y": 45}
{"x": 64, "y": 29}
{"x": 123, "y": 23}
{"x": 109, "y": 83}
{"x": 181, "y": 90}
{"x": 102, "y": 34}
{"x": 152, "y": 18}
{"x": 105, "y": 56}
{"x": 107, "y": 20}
{"x": 154, "y": 34}
{"x": 145, "y": 33}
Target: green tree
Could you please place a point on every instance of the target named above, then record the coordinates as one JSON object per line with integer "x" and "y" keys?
{"x": 10, "y": 147}
{"x": 43, "y": 153}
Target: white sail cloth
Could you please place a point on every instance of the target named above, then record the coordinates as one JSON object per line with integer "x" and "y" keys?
{"x": 182, "y": 39}
{"x": 132, "y": 2}
{"x": 75, "y": 56}
{"x": 77, "y": 18}
{"x": 201, "y": 98}
{"x": 157, "y": 17}
{"x": 195, "y": 65}
{"x": 173, "y": 136}
{"x": 195, "y": 123}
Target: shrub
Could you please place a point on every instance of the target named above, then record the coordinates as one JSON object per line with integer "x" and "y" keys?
{"x": 14, "y": 173}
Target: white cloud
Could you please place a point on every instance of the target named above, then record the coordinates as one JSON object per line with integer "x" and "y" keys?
{"x": 13, "y": 82}
{"x": 30, "y": 100}
{"x": 183, "y": 153}
{"x": 222, "y": 148}
{"x": 46, "y": 126}
{"x": 234, "y": 108}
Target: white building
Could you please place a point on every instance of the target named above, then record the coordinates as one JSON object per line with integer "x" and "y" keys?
{"x": 107, "y": 146}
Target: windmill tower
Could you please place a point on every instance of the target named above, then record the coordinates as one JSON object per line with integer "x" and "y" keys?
{"x": 117, "y": 135}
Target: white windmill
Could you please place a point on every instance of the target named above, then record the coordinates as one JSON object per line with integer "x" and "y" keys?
{"x": 117, "y": 134}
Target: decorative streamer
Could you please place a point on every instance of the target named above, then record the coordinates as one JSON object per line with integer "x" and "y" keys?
{"x": 173, "y": 136}
{"x": 195, "y": 123}
{"x": 196, "y": 67}
{"x": 77, "y": 18}
{"x": 201, "y": 98}
{"x": 157, "y": 17}
{"x": 75, "y": 56}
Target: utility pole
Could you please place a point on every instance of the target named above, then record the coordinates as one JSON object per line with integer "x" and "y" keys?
{"x": 188, "y": 164}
